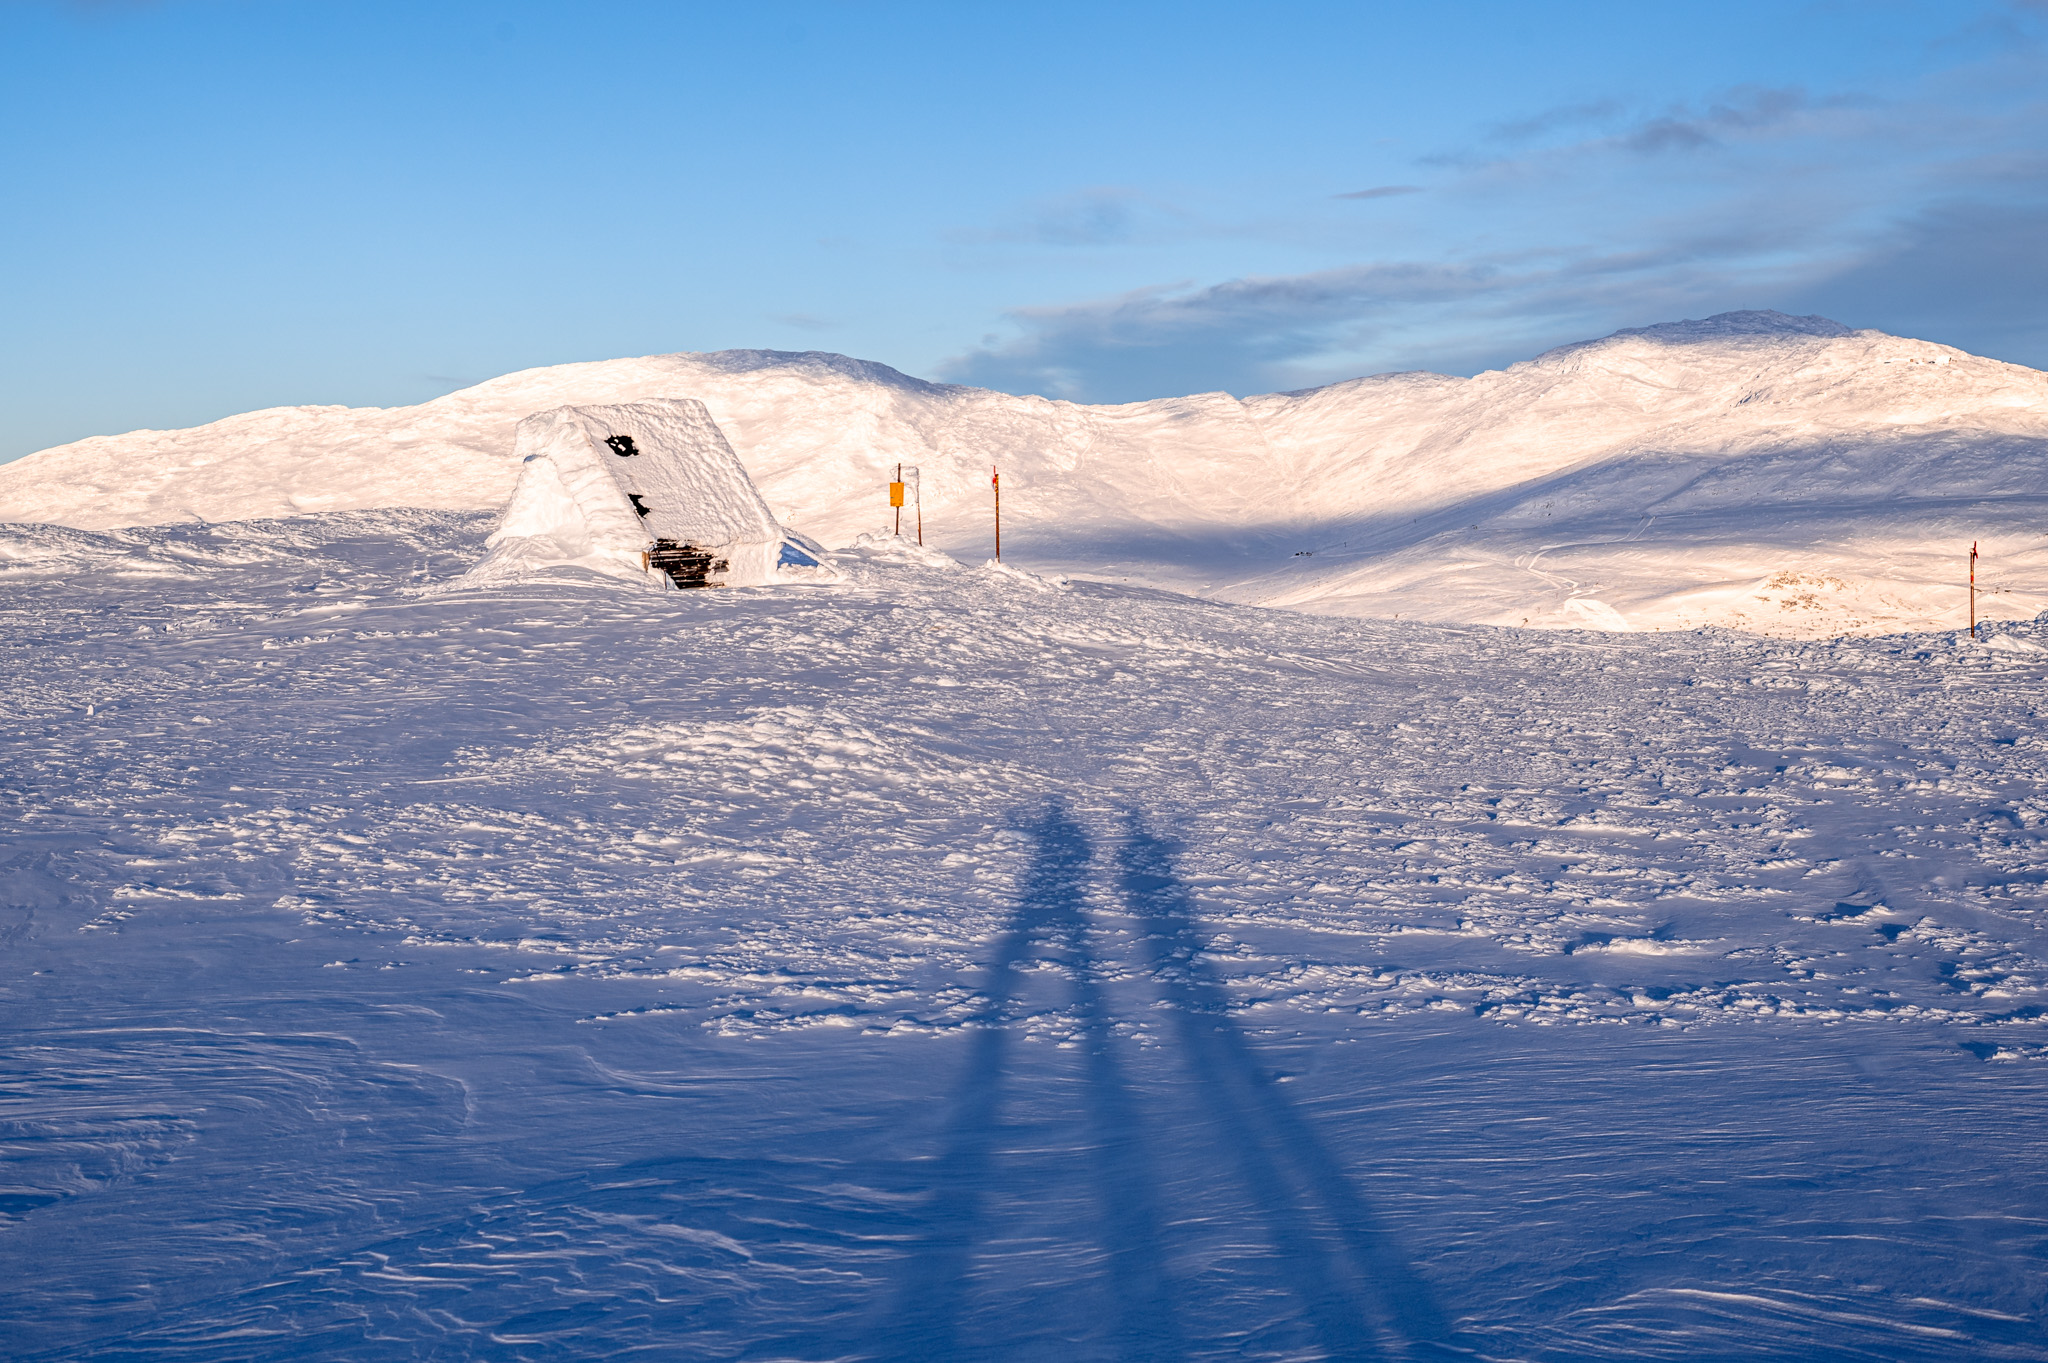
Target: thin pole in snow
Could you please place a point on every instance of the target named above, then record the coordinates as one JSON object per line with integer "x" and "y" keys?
{"x": 1973, "y": 591}
{"x": 898, "y": 499}
{"x": 920, "y": 505}
{"x": 995, "y": 480}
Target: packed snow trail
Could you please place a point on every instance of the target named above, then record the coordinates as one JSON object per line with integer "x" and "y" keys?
{"x": 949, "y": 959}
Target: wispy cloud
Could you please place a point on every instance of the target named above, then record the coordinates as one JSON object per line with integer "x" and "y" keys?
{"x": 1561, "y": 116}
{"x": 1156, "y": 341}
{"x": 1747, "y": 111}
{"x": 1968, "y": 272}
{"x": 1380, "y": 192}
{"x": 1098, "y": 216}
{"x": 1965, "y": 270}
{"x": 1604, "y": 128}
{"x": 1920, "y": 212}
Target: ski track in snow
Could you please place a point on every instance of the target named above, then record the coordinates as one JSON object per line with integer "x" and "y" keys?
{"x": 952, "y": 964}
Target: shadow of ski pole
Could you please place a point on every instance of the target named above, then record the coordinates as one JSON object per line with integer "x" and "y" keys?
{"x": 1050, "y": 925}
{"x": 1359, "y": 1295}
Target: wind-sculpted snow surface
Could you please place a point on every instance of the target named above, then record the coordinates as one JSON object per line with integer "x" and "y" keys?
{"x": 1781, "y": 475}
{"x": 938, "y": 966}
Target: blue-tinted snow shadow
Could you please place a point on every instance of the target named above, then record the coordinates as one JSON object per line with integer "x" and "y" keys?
{"x": 675, "y": 1257}
{"x": 1050, "y": 925}
{"x": 1356, "y": 1290}
{"x": 1357, "y": 1296}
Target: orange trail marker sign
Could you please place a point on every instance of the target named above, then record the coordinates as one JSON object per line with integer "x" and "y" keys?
{"x": 896, "y": 498}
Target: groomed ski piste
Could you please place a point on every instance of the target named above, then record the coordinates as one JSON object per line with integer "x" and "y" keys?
{"x": 924, "y": 959}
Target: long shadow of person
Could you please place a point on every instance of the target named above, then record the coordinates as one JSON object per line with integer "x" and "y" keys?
{"x": 1358, "y": 1294}
{"x": 1049, "y": 926}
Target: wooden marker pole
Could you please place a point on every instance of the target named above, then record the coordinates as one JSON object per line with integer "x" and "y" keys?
{"x": 1973, "y": 591}
{"x": 920, "y": 506}
{"x": 995, "y": 480}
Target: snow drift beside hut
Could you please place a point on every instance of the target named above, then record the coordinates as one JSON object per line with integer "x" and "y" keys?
{"x": 638, "y": 487}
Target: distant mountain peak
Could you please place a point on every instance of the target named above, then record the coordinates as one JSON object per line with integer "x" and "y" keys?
{"x": 814, "y": 361}
{"x": 1751, "y": 322}
{"x": 1723, "y": 328}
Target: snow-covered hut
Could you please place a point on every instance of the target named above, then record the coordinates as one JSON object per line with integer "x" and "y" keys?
{"x": 639, "y": 487}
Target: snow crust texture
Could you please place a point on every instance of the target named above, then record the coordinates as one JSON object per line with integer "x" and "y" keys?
{"x": 954, "y": 963}
{"x": 1782, "y": 475}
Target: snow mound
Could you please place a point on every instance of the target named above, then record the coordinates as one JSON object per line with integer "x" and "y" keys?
{"x": 634, "y": 488}
{"x": 1005, "y": 572}
{"x": 901, "y": 549}
{"x": 2008, "y": 644}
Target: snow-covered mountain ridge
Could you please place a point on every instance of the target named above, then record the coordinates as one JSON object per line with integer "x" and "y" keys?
{"x": 1785, "y": 474}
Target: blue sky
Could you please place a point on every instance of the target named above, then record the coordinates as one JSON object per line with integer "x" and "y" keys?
{"x": 213, "y": 206}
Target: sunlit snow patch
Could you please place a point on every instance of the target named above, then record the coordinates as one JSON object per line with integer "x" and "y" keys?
{"x": 1004, "y": 572}
{"x": 648, "y": 491}
{"x": 1586, "y": 613}
{"x": 897, "y": 549}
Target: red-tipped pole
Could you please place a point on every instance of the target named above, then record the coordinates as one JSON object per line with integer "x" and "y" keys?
{"x": 1973, "y": 591}
{"x": 995, "y": 480}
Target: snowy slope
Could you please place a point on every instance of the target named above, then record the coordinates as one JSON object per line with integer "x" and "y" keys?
{"x": 928, "y": 967}
{"x": 1772, "y": 473}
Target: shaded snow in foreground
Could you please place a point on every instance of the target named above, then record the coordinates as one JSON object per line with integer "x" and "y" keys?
{"x": 941, "y": 965}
